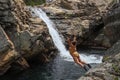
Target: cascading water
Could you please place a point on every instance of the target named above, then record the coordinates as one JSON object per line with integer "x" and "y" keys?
{"x": 53, "y": 32}
{"x": 58, "y": 41}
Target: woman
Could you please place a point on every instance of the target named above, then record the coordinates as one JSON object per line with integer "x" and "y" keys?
{"x": 75, "y": 54}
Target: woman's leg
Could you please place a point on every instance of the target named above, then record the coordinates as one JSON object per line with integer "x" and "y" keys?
{"x": 76, "y": 60}
{"x": 84, "y": 62}
{"x": 81, "y": 61}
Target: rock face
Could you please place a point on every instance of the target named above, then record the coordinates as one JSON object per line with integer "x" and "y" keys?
{"x": 110, "y": 32}
{"x": 22, "y": 36}
{"x": 103, "y": 4}
{"x": 5, "y": 42}
{"x": 111, "y": 20}
{"x": 6, "y": 52}
{"x": 80, "y": 17}
{"x": 109, "y": 70}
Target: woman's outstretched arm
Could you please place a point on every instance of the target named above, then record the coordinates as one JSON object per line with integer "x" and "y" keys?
{"x": 74, "y": 42}
{"x": 69, "y": 41}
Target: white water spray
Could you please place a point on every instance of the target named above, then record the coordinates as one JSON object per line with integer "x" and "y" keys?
{"x": 58, "y": 41}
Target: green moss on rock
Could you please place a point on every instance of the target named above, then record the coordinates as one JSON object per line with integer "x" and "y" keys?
{"x": 105, "y": 58}
{"x": 116, "y": 68}
{"x": 34, "y": 2}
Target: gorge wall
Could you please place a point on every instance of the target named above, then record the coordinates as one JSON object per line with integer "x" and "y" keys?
{"x": 110, "y": 68}
{"x": 22, "y": 36}
{"x": 83, "y": 18}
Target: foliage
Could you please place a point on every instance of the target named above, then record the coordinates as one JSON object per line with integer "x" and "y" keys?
{"x": 34, "y": 2}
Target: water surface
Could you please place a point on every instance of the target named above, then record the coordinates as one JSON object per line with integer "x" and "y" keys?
{"x": 59, "y": 69}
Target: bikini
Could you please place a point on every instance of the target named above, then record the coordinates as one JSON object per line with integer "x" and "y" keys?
{"x": 73, "y": 52}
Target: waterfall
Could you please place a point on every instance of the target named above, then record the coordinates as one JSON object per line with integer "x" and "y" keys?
{"x": 53, "y": 32}
{"x": 58, "y": 40}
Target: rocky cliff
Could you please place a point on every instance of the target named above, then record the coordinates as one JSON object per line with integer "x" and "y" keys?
{"x": 82, "y": 18}
{"x": 111, "y": 20}
{"x": 22, "y": 36}
{"x": 110, "y": 68}
{"x": 93, "y": 21}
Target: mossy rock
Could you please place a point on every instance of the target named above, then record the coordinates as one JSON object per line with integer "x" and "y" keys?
{"x": 34, "y": 2}
{"x": 106, "y": 58}
{"x": 116, "y": 68}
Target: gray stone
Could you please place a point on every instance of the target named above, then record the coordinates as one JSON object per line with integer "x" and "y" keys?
{"x": 6, "y": 6}
{"x": 9, "y": 19}
{"x": 4, "y": 1}
{"x": 5, "y": 43}
{"x": 25, "y": 40}
{"x": 5, "y": 13}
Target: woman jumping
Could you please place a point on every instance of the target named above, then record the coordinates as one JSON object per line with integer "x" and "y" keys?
{"x": 75, "y": 54}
